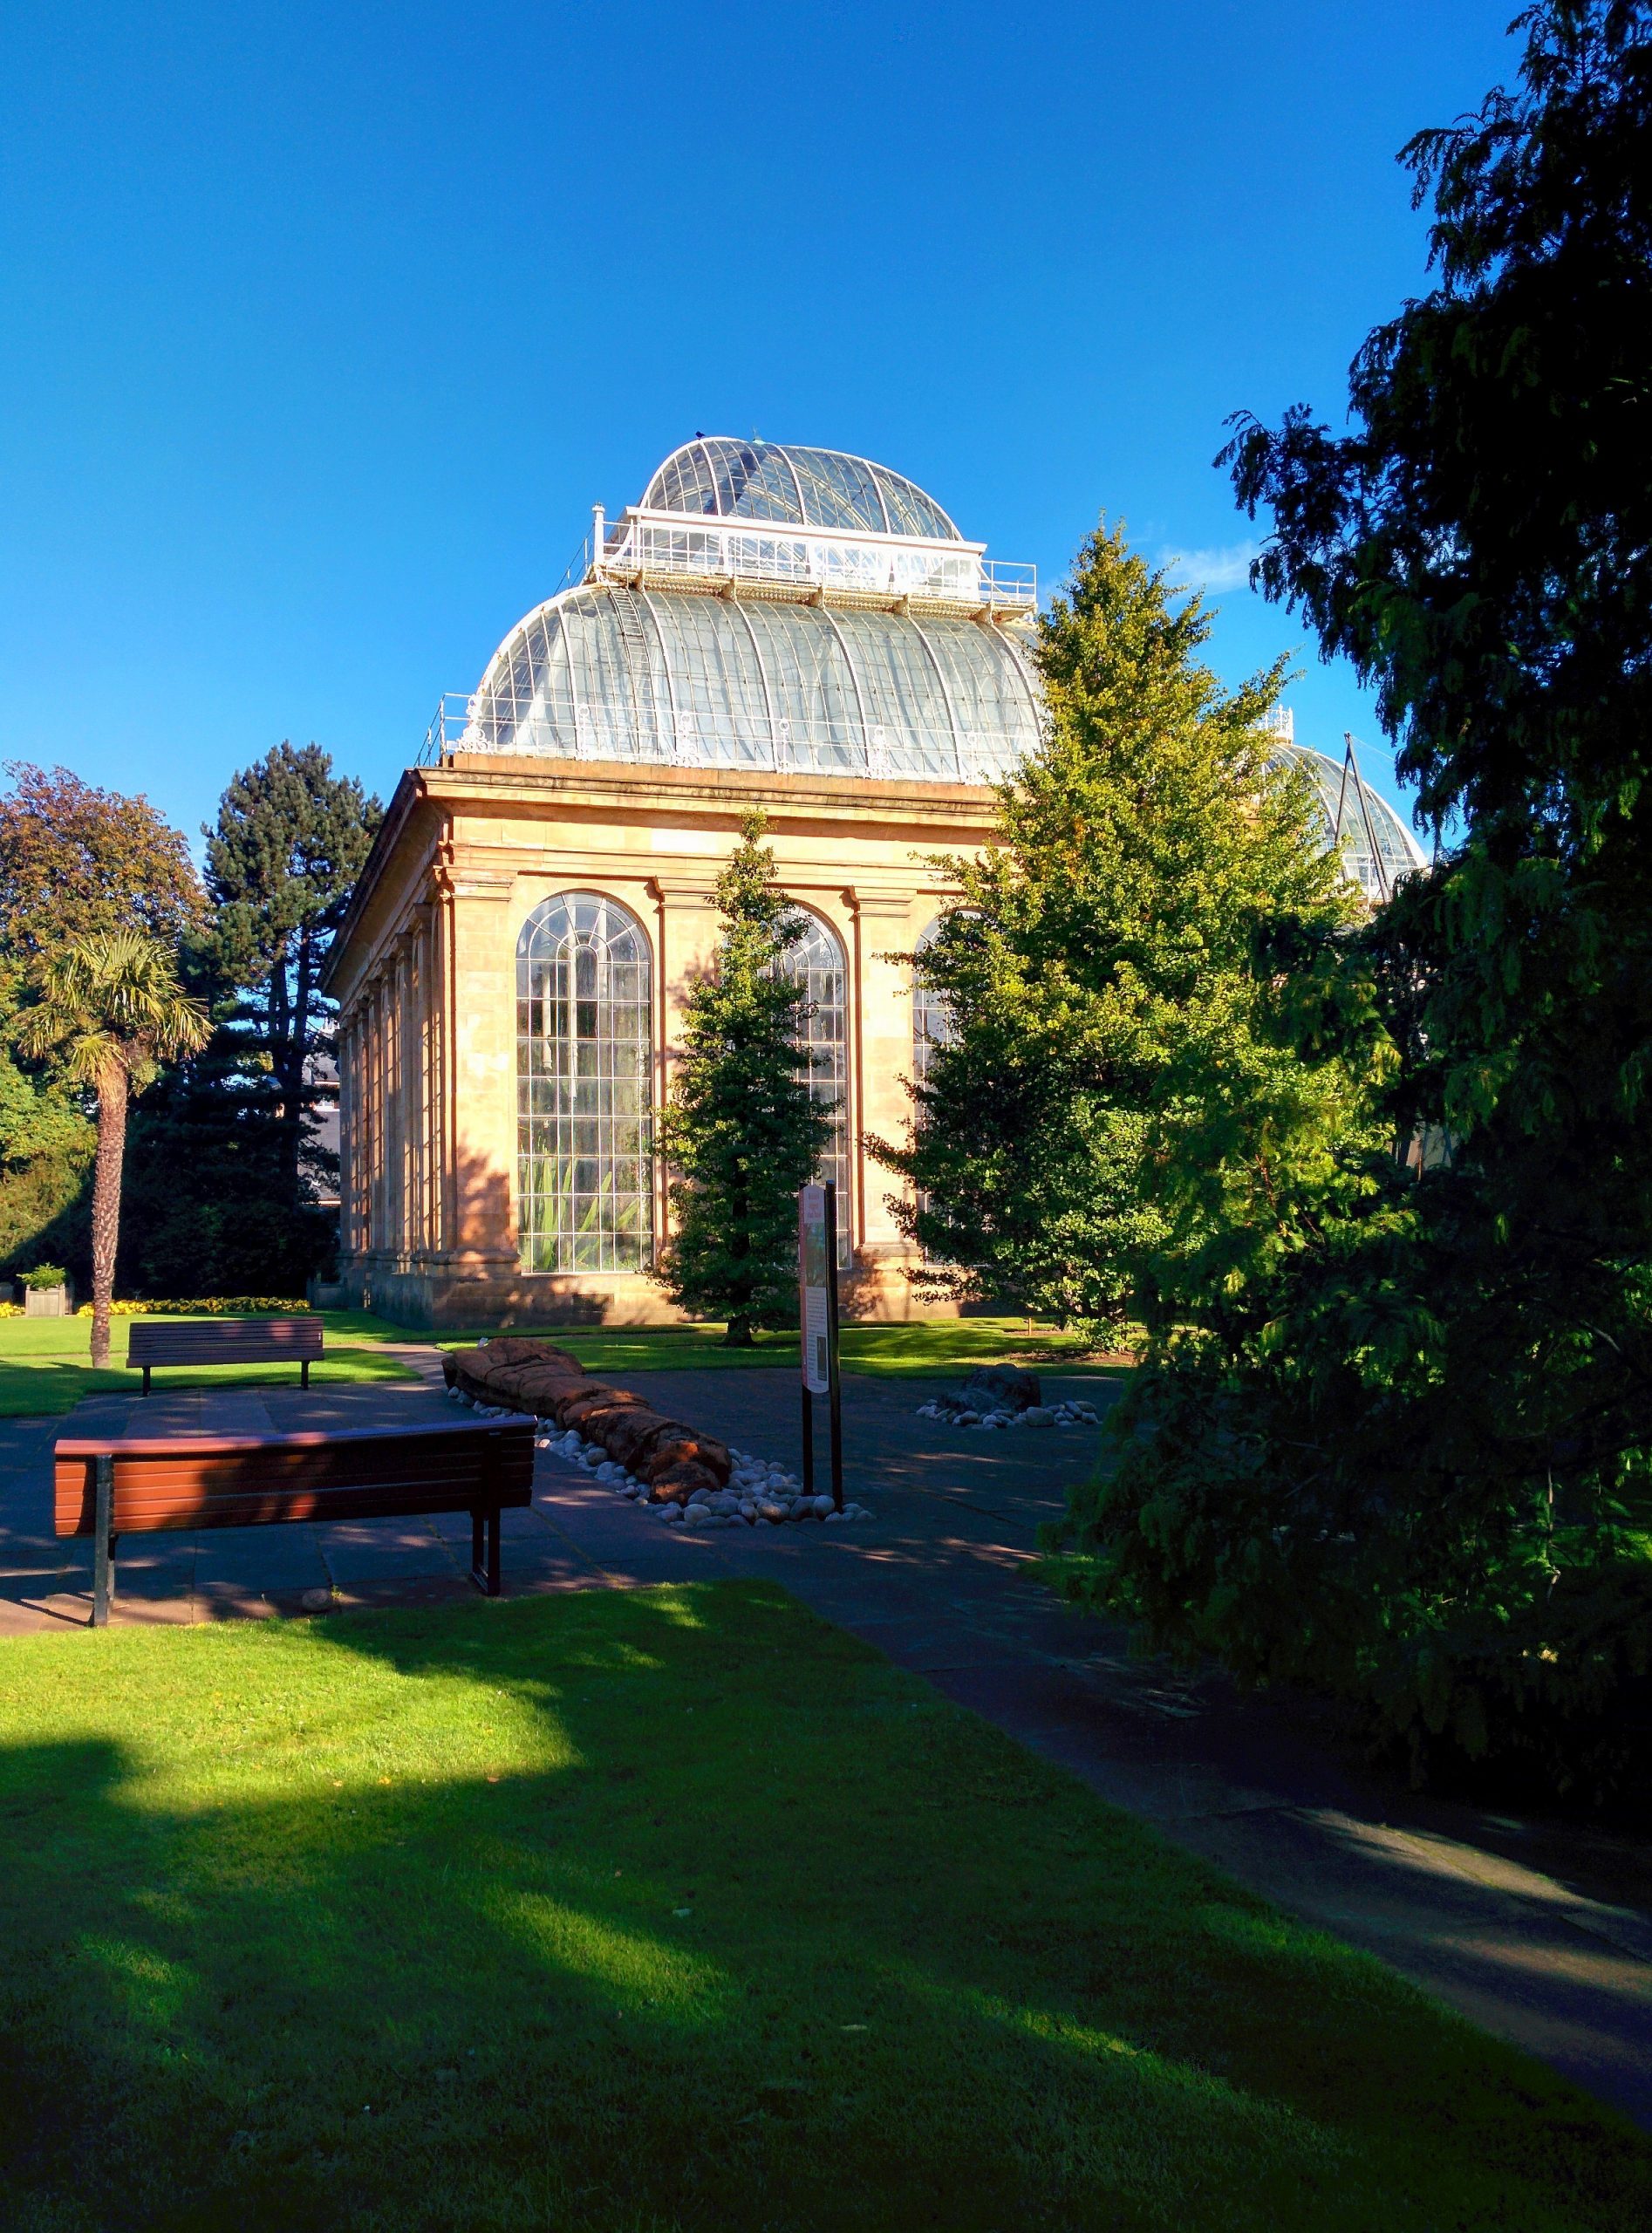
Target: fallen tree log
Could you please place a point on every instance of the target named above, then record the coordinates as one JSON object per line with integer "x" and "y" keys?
{"x": 524, "y": 1376}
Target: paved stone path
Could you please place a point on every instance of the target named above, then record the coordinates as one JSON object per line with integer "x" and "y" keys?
{"x": 1541, "y": 1932}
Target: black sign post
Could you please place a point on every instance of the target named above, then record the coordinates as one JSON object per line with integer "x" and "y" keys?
{"x": 817, "y": 1285}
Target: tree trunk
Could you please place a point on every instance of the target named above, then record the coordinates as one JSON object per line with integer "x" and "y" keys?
{"x": 293, "y": 1062}
{"x": 112, "y": 1096}
{"x": 738, "y": 1334}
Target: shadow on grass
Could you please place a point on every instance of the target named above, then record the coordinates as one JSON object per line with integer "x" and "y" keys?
{"x": 46, "y": 1387}
{"x": 676, "y": 1907}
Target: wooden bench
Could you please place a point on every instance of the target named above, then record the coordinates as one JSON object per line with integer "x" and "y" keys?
{"x": 112, "y": 1485}
{"x": 225, "y": 1340}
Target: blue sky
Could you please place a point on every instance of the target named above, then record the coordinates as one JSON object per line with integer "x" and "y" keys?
{"x": 325, "y": 326}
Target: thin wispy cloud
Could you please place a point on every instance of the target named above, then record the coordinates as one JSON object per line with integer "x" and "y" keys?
{"x": 1226, "y": 569}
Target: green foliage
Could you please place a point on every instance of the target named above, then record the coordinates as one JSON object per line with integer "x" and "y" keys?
{"x": 44, "y": 1276}
{"x": 281, "y": 860}
{"x": 1392, "y": 1433}
{"x": 1100, "y": 953}
{"x": 226, "y": 1166}
{"x": 225, "y": 1163}
{"x": 743, "y": 1131}
{"x": 110, "y": 1012}
{"x": 208, "y": 1192}
{"x": 42, "y": 1205}
{"x": 111, "y": 1006}
{"x": 75, "y": 860}
{"x": 39, "y": 1117}
{"x": 47, "y": 1142}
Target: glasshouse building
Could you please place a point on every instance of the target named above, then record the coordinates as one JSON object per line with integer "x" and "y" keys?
{"x": 793, "y": 629}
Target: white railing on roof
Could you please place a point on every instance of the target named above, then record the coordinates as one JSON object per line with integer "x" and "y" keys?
{"x": 656, "y": 737}
{"x": 799, "y": 561}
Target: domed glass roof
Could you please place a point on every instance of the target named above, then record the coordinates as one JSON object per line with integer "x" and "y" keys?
{"x": 719, "y": 478}
{"x": 604, "y": 672}
{"x": 1376, "y": 845}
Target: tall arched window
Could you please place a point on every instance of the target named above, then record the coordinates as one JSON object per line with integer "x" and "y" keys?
{"x": 817, "y": 961}
{"x": 584, "y": 1059}
{"x": 931, "y": 1025}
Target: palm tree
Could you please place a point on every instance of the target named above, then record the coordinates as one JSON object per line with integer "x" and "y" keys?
{"x": 111, "y": 1010}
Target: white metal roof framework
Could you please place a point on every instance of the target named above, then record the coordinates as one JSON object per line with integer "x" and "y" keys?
{"x": 1375, "y": 847}
{"x": 769, "y": 606}
{"x": 766, "y": 607}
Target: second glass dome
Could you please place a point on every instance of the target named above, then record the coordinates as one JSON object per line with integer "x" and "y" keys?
{"x": 717, "y": 477}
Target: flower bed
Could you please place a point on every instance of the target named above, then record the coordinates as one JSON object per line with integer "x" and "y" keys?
{"x": 211, "y": 1306}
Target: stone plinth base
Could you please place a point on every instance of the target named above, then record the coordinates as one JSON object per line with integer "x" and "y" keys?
{"x": 453, "y": 1298}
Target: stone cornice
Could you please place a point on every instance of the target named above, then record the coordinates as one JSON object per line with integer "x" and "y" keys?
{"x": 724, "y": 794}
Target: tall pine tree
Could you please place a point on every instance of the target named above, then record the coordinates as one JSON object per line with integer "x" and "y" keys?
{"x": 228, "y": 1166}
{"x": 290, "y": 841}
{"x": 1107, "y": 933}
{"x": 743, "y": 1131}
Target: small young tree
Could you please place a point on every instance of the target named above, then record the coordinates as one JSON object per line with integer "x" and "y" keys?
{"x": 110, "y": 1011}
{"x": 743, "y": 1131}
{"x": 1108, "y": 931}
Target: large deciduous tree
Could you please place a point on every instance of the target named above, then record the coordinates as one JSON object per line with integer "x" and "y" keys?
{"x": 1407, "y": 1455}
{"x": 110, "y": 1012}
{"x": 74, "y": 859}
{"x": 1106, "y": 934}
{"x": 743, "y": 1131}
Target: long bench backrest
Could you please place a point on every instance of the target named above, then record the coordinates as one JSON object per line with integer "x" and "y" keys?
{"x": 224, "y": 1340}
{"x": 246, "y": 1480}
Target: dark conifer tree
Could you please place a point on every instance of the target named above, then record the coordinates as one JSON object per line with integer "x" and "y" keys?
{"x": 1391, "y": 1432}
{"x": 1105, "y": 936}
{"x": 743, "y": 1131}
{"x": 290, "y": 841}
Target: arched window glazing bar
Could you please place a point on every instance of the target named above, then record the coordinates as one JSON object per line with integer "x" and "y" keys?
{"x": 611, "y": 672}
{"x": 817, "y": 963}
{"x": 584, "y": 1055}
{"x": 931, "y": 1023}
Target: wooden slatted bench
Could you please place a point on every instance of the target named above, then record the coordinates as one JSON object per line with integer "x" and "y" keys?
{"x": 108, "y": 1486}
{"x": 225, "y": 1340}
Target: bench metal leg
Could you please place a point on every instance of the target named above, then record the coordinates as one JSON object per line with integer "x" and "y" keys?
{"x": 103, "y": 1552}
{"x": 485, "y": 1576}
{"x": 145, "y": 1380}
{"x": 303, "y": 1372}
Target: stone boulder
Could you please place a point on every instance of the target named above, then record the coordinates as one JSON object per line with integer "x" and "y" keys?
{"x": 1001, "y": 1388}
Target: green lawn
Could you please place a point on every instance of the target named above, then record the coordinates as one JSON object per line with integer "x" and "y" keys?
{"x": 676, "y": 1908}
{"x": 947, "y": 1348}
{"x": 44, "y": 1364}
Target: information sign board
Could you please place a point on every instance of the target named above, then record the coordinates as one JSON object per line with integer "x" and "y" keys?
{"x": 815, "y": 1267}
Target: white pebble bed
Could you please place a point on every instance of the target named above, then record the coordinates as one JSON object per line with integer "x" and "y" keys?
{"x": 758, "y": 1492}
{"x": 950, "y": 1413}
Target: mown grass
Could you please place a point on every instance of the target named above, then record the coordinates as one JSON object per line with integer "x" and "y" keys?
{"x": 677, "y": 1909}
{"x": 943, "y": 1348}
{"x": 45, "y": 1364}
{"x": 45, "y": 1368}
